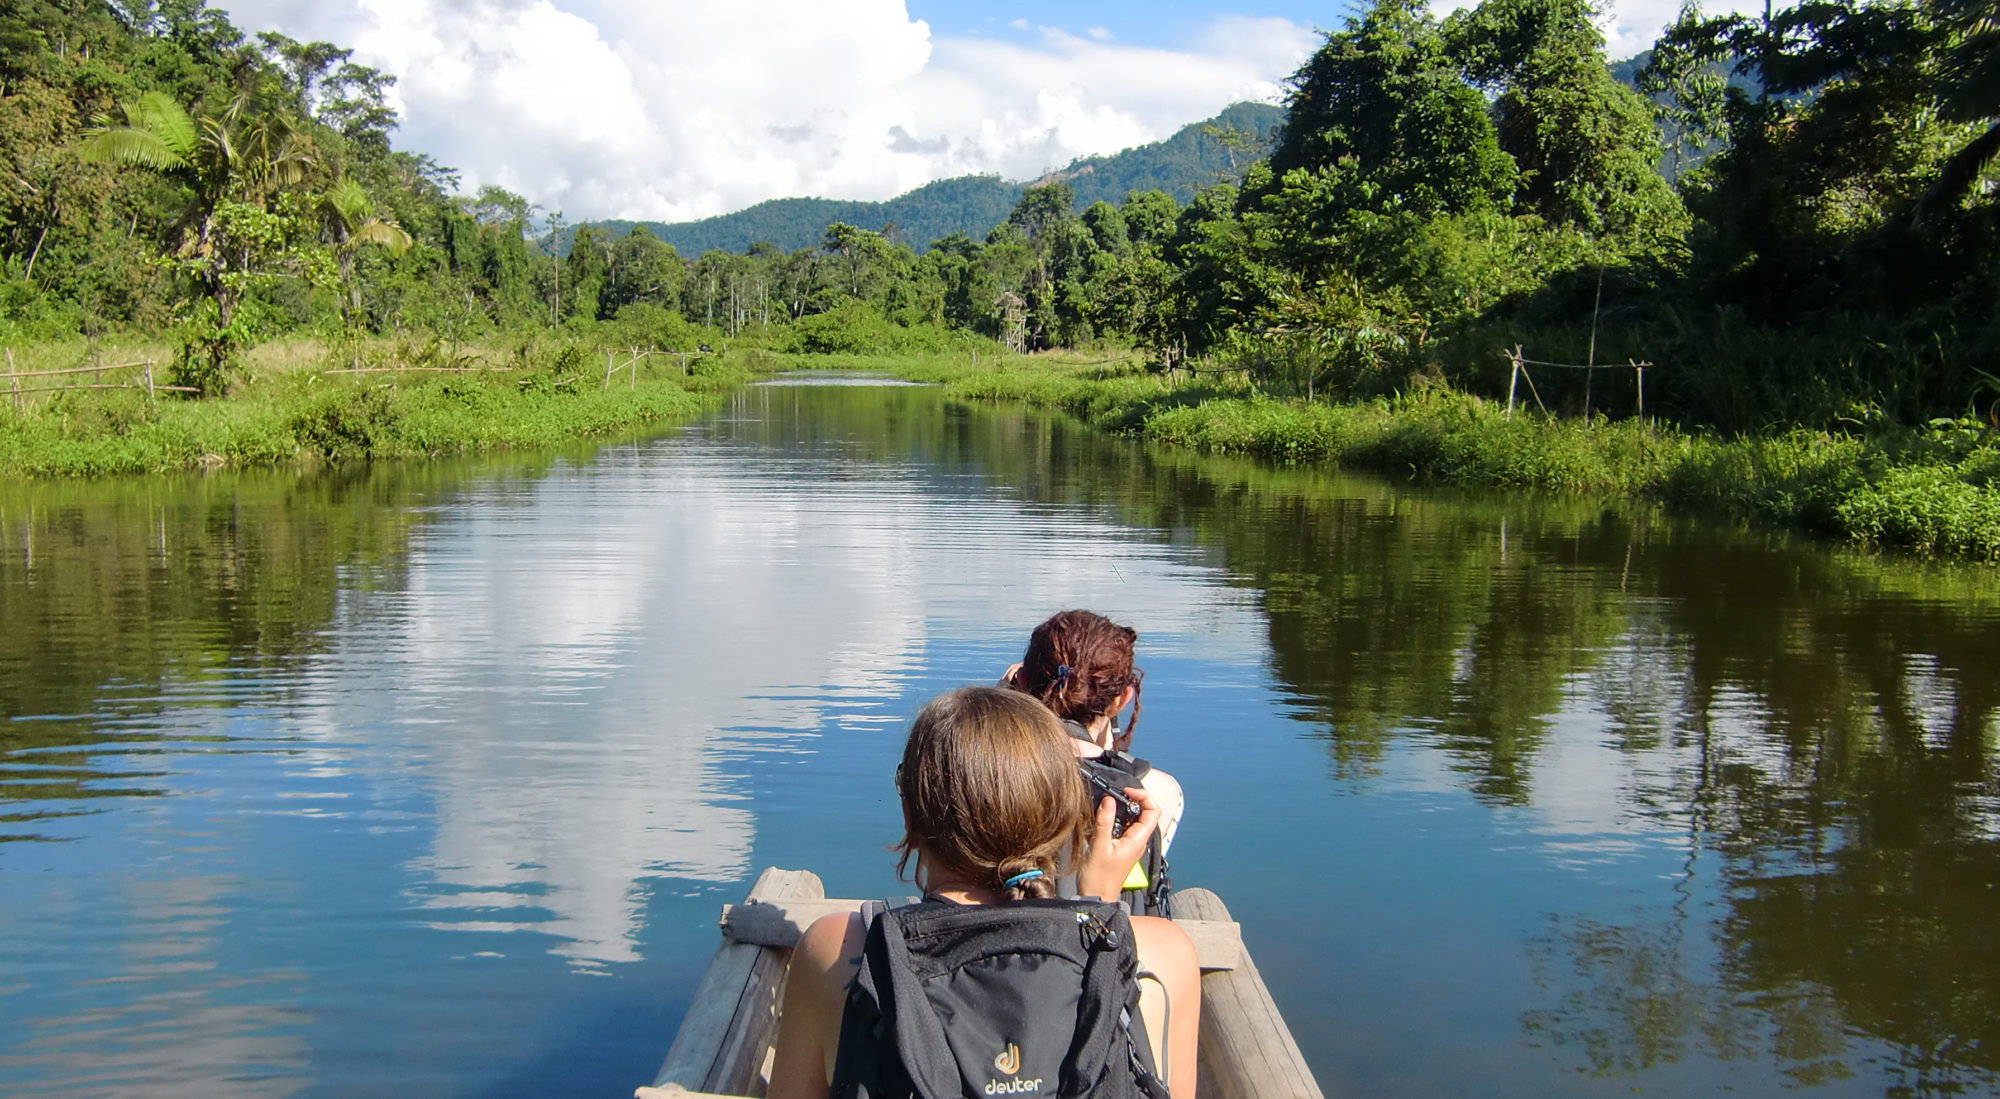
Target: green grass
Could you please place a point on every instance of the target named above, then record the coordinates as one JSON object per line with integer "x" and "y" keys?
{"x": 302, "y": 415}
{"x": 1932, "y": 491}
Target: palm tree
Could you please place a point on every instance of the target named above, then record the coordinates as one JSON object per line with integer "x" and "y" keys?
{"x": 350, "y": 221}
{"x": 233, "y": 163}
{"x": 246, "y": 153}
{"x": 157, "y": 134}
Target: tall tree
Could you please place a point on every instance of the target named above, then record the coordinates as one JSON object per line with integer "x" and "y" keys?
{"x": 1384, "y": 100}
{"x": 1584, "y": 143}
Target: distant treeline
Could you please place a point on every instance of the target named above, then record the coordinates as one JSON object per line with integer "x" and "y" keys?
{"x": 1440, "y": 190}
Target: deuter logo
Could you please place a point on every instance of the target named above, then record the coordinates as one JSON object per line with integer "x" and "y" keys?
{"x": 1009, "y": 1062}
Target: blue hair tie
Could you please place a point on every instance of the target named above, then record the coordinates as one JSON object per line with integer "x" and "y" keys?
{"x": 1062, "y": 672}
{"x": 1023, "y": 876}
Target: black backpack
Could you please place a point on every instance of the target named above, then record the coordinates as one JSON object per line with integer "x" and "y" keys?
{"x": 966, "y": 1001}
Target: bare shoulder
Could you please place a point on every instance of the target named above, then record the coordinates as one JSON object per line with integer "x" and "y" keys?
{"x": 830, "y": 931}
{"x": 822, "y": 965}
{"x": 831, "y": 948}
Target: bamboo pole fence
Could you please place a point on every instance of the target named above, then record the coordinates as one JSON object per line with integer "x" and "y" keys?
{"x": 421, "y": 370}
{"x": 145, "y": 380}
{"x": 1520, "y": 364}
{"x": 16, "y": 391}
{"x": 632, "y": 364}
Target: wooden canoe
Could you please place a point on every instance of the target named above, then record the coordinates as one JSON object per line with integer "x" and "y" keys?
{"x": 724, "y": 1044}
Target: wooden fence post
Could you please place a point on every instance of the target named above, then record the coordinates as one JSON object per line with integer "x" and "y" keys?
{"x": 149, "y": 381}
{"x": 13, "y": 383}
{"x": 1639, "y": 378}
{"x": 607, "y": 371}
{"x": 1513, "y": 378}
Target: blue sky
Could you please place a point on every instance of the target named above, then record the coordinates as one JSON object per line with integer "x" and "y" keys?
{"x": 1130, "y": 21}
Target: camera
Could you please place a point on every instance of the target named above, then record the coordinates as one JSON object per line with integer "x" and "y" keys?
{"x": 1100, "y": 786}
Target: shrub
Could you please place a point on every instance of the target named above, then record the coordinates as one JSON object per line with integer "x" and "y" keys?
{"x": 850, "y": 328}
{"x": 1928, "y": 509}
{"x": 343, "y": 423}
{"x": 854, "y": 328}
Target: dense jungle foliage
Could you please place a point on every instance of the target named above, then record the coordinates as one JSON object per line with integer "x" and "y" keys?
{"x": 1443, "y": 189}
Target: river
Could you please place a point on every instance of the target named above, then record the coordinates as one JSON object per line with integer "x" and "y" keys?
{"x": 430, "y": 779}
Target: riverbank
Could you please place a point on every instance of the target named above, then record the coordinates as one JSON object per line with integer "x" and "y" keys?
{"x": 1934, "y": 491}
{"x": 286, "y": 408}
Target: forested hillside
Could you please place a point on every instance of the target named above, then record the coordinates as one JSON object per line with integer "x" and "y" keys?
{"x": 1198, "y": 156}
{"x": 967, "y": 204}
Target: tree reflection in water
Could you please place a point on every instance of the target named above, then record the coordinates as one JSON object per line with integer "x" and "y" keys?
{"x": 1818, "y": 725}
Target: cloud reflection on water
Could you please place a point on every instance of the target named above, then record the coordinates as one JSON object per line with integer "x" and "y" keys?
{"x": 574, "y": 667}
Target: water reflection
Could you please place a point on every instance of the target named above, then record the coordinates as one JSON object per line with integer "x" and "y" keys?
{"x": 1571, "y": 798}
{"x": 1809, "y": 734}
{"x": 1799, "y": 741}
{"x": 173, "y": 1010}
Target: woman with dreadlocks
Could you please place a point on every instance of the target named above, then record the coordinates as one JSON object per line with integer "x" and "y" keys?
{"x": 1079, "y": 664}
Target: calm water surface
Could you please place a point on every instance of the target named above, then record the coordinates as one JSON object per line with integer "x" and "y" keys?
{"x": 430, "y": 779}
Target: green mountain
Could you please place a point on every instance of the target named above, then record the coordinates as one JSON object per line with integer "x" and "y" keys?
{"x": 1681, "y": 154}
{"x": 1180, "y": 165}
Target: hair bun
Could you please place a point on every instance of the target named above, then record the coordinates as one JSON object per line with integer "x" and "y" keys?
{"x": 1019, "y": 879}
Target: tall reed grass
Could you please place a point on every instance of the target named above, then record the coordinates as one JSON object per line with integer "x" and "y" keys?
{"x": 1933, "y": 491}
{"x": 295, "y": 412}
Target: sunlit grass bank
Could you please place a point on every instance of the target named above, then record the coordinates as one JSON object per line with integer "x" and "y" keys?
{"x": 293, "y": 410}
{"x": 1933, "y": 491}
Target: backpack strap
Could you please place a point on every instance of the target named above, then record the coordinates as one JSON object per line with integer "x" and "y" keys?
{"x": 866, "y": 1021}
{"x": 1110, "y": 995}
{"x": 1153, "y": 899}
{"x": 1127, "y": 762}
{"x": 1149, "y": 1083}
{"x": 871, "y": 910}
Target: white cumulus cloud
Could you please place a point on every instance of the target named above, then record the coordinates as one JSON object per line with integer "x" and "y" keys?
{"x": 675, "y": 110}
